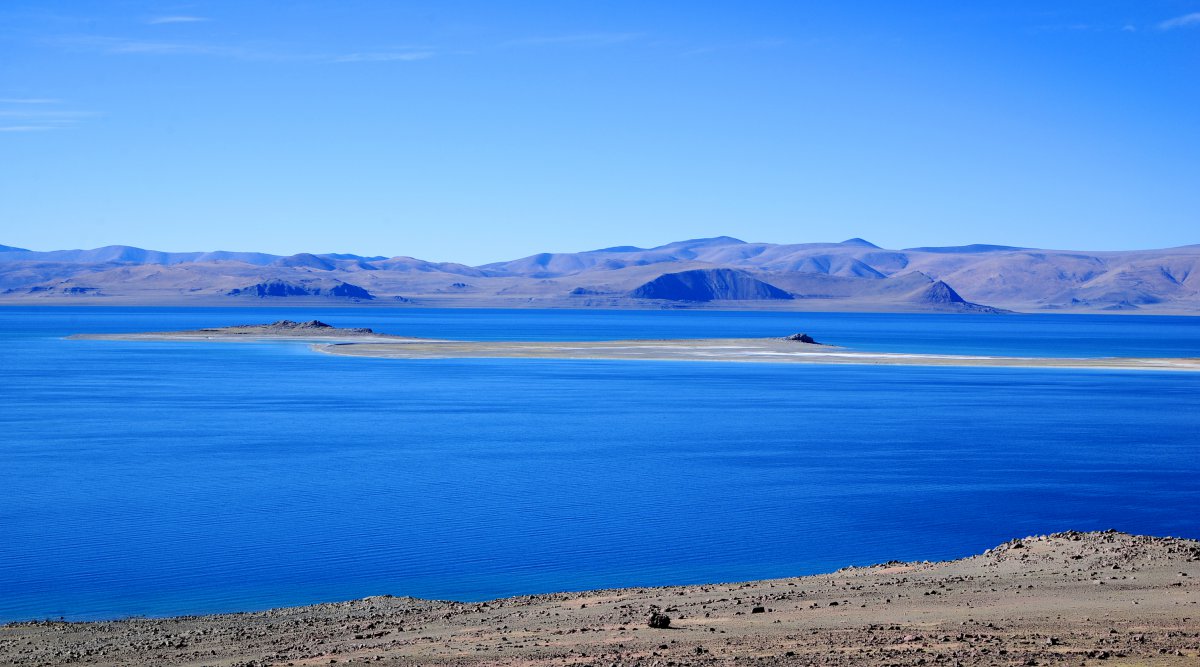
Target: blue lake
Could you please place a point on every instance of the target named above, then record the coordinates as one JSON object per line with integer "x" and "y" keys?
{"x": 177, "y": 478}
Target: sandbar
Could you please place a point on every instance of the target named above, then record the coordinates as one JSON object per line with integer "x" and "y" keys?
{"x": 752, "y": 350}
{"x": 283, "y": 330}
{"x": 368, "y": 343}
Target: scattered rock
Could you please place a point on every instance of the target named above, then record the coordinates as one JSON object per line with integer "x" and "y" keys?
{"x": 997, "y": 626}
{"x": 659, "y": 620}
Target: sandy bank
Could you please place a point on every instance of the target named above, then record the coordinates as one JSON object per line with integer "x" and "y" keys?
{"x": 367, "y": 343}
{"x": 1067, "y": 599}
{"x": 761, "y": 350}
{"x": 283, "y": 330}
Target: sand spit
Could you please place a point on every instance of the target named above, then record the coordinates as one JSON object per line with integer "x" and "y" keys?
{"x": 761, "y": 350}
{"x": 367, "y": 343}
{"x": 283, "y": 330}
{"x": 1065, "y": 599}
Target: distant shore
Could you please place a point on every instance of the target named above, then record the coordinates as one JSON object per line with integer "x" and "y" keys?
{"x": 1070, "y": 598}
{"x": 468, "y": 303}
{"x": 367, "y": 343}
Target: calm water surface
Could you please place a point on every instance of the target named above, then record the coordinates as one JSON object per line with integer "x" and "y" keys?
{"x": 172, "y": 478}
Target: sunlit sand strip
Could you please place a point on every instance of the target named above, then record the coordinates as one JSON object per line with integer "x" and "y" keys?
{"x": 203, "y": 337}
{"x": 751, "y": 350}
{"x": 767, "y": 350}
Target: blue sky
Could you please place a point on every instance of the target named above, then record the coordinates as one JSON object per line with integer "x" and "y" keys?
{"x": 480, "y": 131}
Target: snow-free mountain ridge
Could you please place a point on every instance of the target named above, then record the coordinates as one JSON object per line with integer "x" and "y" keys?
{"x": 707, "y": 272}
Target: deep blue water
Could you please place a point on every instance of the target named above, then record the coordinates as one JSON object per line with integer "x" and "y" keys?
{"x": 172, "y": 478}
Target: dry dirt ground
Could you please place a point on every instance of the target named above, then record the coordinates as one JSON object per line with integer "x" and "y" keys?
{"x": 1064, "y": 599}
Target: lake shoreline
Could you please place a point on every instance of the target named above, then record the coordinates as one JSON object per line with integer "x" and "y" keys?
{"x": 1056, "y": 599}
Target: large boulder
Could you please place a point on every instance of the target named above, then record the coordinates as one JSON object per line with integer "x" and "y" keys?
{"x": 659, "y": 620}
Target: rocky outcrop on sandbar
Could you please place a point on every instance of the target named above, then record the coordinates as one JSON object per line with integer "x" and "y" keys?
{"x": 313, "y": 325}
{"x": 288, "y": 328}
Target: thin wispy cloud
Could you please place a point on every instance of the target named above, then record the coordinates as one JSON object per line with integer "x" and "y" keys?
{"x": 761, "y": 44}
{"x": 17, "y": 118}
{"x": 768, "y": 43}
{"x": 27, "y": 100}
{"x": 160, "y": 20}
{"x": 385, "y": 56}
{"x": 186, "y": 48}
{"x": 49, "y": 116}
{"x": 123, "y": 46}
{"x": 1070, "y": 27}
{"x": 252, "y": 52}
{"x": 584, "y": 39}
{"x": 1186, "y": 21}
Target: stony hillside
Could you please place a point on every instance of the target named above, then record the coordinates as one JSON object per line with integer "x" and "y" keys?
{"x": 1067, "y": 599}
{"x": 721, "y": 272}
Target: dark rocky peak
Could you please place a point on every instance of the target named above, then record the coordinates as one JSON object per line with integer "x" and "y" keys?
{"x": 708, "y": 285}
{"x": 941, "y": 293}
{"x": 283, "y": 288}
{"x": 271, "y": 288}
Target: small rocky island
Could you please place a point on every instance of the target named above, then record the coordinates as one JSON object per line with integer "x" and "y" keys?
{"x": 802, "y": 338}
{"x": 289, "y": 327}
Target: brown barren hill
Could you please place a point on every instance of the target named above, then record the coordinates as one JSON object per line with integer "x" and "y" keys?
{"x": 719, "y": 273}
{"x": 1064, "y": 599}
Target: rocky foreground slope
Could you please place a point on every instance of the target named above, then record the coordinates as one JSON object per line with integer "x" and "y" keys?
{"x": 1064, "y": 599}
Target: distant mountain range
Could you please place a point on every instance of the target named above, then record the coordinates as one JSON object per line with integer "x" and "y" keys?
{"x": 720, "y": 272}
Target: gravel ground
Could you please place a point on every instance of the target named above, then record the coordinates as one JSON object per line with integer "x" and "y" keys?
{"x": 1065, "y": 599}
